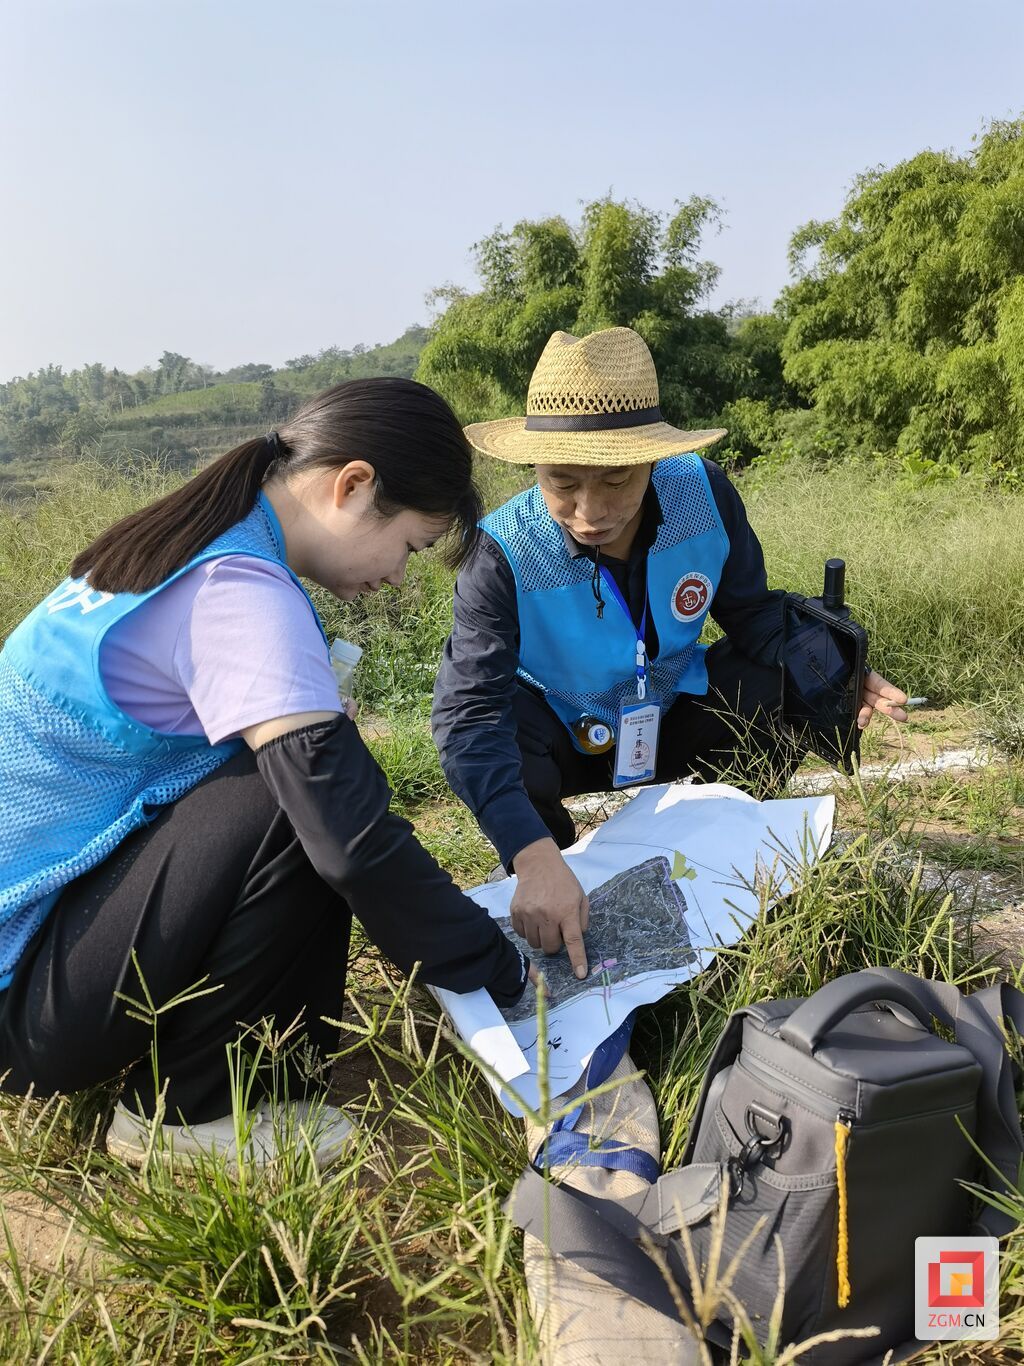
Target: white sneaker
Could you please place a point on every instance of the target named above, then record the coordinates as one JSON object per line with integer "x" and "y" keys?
{"x": 328, "y": 1130}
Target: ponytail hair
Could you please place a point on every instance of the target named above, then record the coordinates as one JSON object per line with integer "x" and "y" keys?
{"x": 407, "y": 432}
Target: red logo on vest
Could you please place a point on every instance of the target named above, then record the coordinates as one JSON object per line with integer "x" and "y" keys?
{"x": 690, "y": 596}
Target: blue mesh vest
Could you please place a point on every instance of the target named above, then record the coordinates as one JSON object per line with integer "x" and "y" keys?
{"x": 583, "y": 664}
{"x": 76, "y": 774}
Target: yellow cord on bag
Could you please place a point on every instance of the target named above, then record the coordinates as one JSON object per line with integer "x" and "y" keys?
{"x": 843, "y": 1241}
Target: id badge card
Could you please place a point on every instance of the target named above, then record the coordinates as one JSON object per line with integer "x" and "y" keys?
{"x": 636, "y": 744}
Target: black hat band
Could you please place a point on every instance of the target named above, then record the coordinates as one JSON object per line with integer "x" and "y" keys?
{"x": 594, "y": 422}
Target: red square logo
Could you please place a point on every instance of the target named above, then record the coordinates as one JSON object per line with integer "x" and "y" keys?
{"x": 956, "y": 1289}
{"x": 957, "y": 1281}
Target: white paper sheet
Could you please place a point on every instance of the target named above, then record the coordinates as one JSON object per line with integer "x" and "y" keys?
{"x": 709, "y": 854}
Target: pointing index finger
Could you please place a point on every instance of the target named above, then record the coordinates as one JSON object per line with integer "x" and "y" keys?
{"x": 574, "y": 946}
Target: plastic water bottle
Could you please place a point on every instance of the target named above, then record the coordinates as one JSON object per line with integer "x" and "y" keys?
{"x": 344, "y": 658}
{"x": 592, "y": 735}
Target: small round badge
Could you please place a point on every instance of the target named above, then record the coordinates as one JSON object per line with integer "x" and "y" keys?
{"x": 690, "y": 596}
{"x": 641, "y": 754}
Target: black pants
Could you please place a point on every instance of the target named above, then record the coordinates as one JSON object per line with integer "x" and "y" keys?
{"x": 217, "y": 887}
{"x": 729, "y": 735}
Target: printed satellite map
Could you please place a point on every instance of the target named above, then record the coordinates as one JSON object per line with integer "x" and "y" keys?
{"x": 637, "y": 924}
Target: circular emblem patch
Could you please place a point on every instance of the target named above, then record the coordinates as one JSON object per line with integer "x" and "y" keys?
{"x": 690, "y": 596}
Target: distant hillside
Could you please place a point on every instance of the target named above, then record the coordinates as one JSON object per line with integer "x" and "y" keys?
{"x": 219, "y": 400}
{"x": 177, "y": 411}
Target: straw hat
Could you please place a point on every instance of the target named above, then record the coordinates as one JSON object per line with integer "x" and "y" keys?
{"x": 592, "y": 401}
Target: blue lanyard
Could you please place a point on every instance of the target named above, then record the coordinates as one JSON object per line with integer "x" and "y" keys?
{"x": 641, "y": 649}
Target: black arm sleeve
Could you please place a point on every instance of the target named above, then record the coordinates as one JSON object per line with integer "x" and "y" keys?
{"x": 473, "y": 722}
{"x": 337, "y": 799}
{"x": 748, "y": 611}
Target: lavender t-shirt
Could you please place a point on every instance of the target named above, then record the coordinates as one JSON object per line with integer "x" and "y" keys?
{"x": 229, "y": 644}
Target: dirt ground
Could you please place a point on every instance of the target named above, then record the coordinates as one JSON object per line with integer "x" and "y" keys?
{"x": 46, "y": 1240}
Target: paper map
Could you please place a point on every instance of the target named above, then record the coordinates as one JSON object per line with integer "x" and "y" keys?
{"x": 679, "y": 872}
{"x": 637, "y": 924}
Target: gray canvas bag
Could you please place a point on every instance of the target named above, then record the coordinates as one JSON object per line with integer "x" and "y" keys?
{"x": 844, "y": 1125}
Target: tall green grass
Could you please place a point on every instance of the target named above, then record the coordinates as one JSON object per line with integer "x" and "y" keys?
{"x": 402, "y": 1253}
{"x": 40, "y": 536}
{"x": 934, "y": 572}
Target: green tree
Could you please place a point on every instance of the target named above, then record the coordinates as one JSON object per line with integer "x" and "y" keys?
{"x": 34, "y": 410}
{"x": 246, "y": 374}
{"x": 332, "y": 365}
{"x": 92, "y": 382}
{"x": 622, "y": 265}
{"x": 170, "y": 373}
{"x": 906, "y": 319}
{"x": 124, "y": 391}
{"x": 175, "y": 373}
{"x": 274, "y": 404}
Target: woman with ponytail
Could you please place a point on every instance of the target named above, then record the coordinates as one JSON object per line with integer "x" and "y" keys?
{"x": 184, "y": 797}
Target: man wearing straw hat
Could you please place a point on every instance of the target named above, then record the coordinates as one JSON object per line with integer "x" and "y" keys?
{"x": 573, "y": 663}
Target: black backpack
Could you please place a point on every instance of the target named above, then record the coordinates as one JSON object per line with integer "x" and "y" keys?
{"x": 843, "y": 1125}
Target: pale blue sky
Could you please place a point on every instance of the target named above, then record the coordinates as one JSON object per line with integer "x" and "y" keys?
{"x": 249, "y": 181}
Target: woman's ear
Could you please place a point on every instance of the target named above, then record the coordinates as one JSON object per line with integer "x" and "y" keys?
{"x": 353, "y": 480}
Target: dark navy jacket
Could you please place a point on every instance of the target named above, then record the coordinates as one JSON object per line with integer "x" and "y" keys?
{"x": 472, "y": 720}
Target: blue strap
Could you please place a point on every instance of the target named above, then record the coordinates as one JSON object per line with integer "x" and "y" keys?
{"x": 616, "y": 593}
{"x": 603, "y": 1062}
{"x": 641, "y": 631}
{"x": 563, "y": 1144}
{"x": 611, "y": 1154}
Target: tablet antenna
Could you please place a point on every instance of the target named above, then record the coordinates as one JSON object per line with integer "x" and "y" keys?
{"x": 835, "y": 585}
